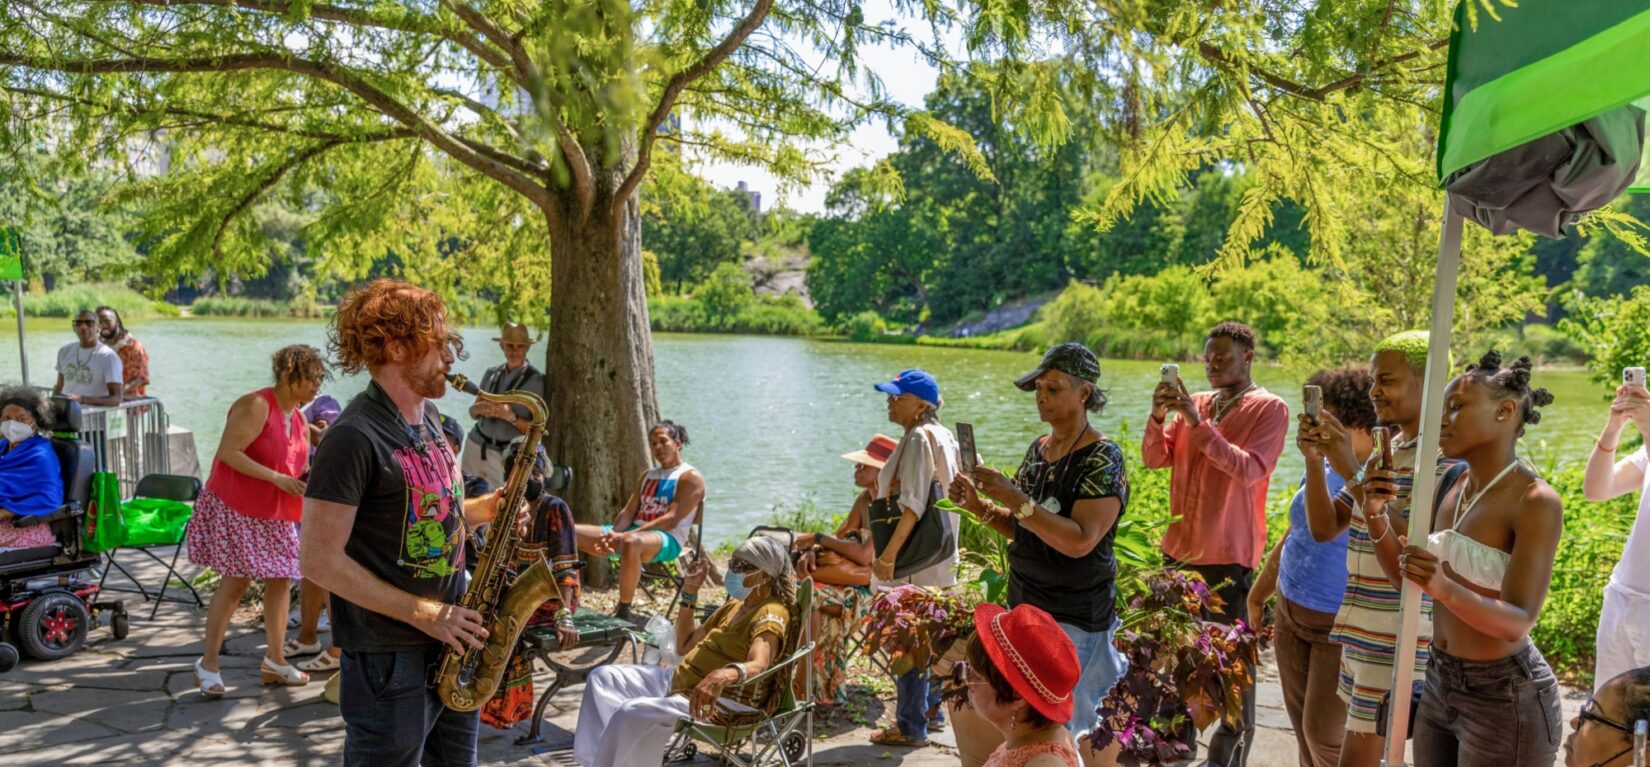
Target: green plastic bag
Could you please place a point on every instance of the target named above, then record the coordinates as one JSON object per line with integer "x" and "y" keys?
{"x": 105, "y": 528}
{"x": 154, "y": 521}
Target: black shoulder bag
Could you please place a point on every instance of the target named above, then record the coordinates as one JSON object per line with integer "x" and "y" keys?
{"x": 930, "y": 542}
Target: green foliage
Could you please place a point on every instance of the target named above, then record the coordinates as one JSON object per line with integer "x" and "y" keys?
{"x": 726, "y": 293}
{"x": 864, "y": 327}
{"x": 696, "y": 229}
{"x": 65, "y": 302}
{"x": 1613, "y": 261}
{"x": 235, "y": 306}
{"x": 1612, "y": 330}
{"x": 782, "y": 316}
{"x": 70, "y": 233}
{"x": 1594, "y": 534}
{"x": 806, "y": 517}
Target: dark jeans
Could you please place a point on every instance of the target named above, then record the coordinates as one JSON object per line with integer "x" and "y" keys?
{"x": 914, "y": 698}
{"x": 1229, "y": 746}
{"x": 392, "y": 716}
{"x": 1495, "y": 713}
{"x": 1309, "y": 665}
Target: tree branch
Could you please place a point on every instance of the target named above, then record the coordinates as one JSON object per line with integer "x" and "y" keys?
{"x": 476, "y": 20}
{"x": 265, "y": 185}
{"x": 417, "y": 24}
{"x": 673, "y": 88}
{"x": 134, "y": 110}
{"x": 1220, "y": 58}
{"x": 487, "y": 160}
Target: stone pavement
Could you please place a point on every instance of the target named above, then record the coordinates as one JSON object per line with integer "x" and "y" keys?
{"x": 134, "y": 701}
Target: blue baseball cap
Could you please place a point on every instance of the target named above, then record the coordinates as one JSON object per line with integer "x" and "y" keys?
{"x": 915, "y": 382}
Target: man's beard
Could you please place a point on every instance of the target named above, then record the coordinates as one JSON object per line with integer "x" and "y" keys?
{"x": 108, "y": 335}
{"x": 431, "y": 385}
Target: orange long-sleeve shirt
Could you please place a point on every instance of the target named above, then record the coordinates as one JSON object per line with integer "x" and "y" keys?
{"x": 1219, "y": 475}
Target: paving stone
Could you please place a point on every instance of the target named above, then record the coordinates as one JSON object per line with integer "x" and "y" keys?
{"x": 78, "y": 669}
{"x": 22, "y": 731}
{"x": 224, "y": 715}
{"x": 15, "y": 695}
{"x": 125, "y": 710}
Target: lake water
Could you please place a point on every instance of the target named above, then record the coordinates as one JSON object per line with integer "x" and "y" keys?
{"x": 768, "y": 417}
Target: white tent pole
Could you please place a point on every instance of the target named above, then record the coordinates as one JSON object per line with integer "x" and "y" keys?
{"x": 22, "y": 342}
{"x": 1426, "y": 478}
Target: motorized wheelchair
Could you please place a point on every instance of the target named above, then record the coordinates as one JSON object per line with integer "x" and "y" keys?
{"x": 49, "y": 597}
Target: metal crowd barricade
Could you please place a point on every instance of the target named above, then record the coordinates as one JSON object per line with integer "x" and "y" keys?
{"x": 128, "y": 440}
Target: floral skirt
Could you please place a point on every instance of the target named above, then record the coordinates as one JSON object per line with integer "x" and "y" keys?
{"x": 830, "y": 659}
{"x": 238, "y": 546}
{"x": 12, "y": 537}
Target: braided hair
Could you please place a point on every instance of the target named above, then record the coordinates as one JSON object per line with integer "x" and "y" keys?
{"x": 1512, "y": 382}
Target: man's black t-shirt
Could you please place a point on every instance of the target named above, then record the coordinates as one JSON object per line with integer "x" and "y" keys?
{"x": 409, "y": 518}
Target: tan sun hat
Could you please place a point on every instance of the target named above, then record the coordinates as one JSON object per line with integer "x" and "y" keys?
{"x": 875, "y": 454}
{"x": 514, "y": 333}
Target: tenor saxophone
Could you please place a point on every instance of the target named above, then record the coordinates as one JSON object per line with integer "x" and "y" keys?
{"x": 468, "y": 679}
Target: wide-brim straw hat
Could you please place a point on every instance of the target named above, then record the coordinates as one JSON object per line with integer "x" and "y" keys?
{"x": 876, "y": 453}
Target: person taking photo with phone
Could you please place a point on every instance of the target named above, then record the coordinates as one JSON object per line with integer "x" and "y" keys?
{"x": 1059, "y": 512}
{"x": 1623, "y": 640}
{"x": 1220, "y": 447}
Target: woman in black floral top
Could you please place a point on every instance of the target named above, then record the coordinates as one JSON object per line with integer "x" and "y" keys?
{"x": 1060, "y": 512}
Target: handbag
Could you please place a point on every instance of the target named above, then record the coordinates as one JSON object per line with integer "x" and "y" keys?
{"x": 931, "y": 541}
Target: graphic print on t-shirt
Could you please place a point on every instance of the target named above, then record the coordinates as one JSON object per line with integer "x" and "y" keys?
{"x": 431, "y": 543}
{"x": 658, "y": 492}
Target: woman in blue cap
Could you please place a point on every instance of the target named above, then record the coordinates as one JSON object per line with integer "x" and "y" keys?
{"x": 926, "y": 455}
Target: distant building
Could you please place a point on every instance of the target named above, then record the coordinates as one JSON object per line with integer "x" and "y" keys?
{"x": 753, "y": 196}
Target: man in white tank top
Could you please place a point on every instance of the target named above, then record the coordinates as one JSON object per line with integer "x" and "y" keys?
{"x": 655, "y": 522}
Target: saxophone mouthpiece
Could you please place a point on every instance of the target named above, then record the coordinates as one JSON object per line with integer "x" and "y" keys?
{"x": 462, "y": 383}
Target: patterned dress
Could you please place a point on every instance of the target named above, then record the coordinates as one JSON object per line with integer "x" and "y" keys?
{"x": 1003, "y": 757}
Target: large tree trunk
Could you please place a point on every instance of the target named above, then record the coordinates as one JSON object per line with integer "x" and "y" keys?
{"x": 599, "y": 361}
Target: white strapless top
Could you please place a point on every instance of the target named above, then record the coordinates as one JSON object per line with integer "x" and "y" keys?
{"x": 1482, "y": 565}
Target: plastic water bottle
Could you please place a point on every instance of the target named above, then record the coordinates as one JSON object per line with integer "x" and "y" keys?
{"x": 661, "y": 643}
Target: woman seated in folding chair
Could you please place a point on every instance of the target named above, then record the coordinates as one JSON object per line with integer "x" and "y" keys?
{"x": 653, "y": 526}
{"x": 630, "y": 712}
{"x": 31, "y": 480}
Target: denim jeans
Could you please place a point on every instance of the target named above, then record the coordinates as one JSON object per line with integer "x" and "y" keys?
{"x": 392, "y": 717}
{"x": 1494, "y": 713}
{"x": 1102, "y": 666}
{"x": 914, "y": 698}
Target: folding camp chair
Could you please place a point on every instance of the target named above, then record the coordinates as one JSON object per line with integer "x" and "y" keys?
{"x": 669, "y": 574}
{"x": 163, "y": 487}
{"x": 782, "y": 731}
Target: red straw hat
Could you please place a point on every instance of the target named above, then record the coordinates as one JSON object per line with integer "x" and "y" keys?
{"x": 875, "y": 454}
{"x": 1033, "y": 654}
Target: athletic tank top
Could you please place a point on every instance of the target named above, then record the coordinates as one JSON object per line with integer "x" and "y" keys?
{"x": 658, "y": 492}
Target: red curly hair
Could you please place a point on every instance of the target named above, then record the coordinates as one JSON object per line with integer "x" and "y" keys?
{"x": 388, "y": 312}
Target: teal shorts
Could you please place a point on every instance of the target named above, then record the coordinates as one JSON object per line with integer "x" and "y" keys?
{"x": 669, "y": 547}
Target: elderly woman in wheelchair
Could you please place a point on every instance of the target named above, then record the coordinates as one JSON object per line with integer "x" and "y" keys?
{"x": 629, "y": 713}
{"x": 31, "y": 479}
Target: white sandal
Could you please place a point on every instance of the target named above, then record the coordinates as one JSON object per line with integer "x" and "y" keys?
{"x": 294, "y": 647}
{"x": 275, "y": 673}
{"x": 323, "y": 662}
{"x": 206, "y": 680}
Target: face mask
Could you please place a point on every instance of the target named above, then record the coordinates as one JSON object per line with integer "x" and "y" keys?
{"x": 735, "y": 584}
{"x": 15, "y": 431}
{"x": 535, "y": 488}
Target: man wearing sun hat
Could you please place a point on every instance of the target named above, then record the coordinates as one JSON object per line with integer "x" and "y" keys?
{"x": 497, "y": 425}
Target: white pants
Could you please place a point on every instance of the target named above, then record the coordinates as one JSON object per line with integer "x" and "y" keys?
{"x": 627, "y": 717}
{"x": 1623, "y": 634}
{"x": 490, "y": 468}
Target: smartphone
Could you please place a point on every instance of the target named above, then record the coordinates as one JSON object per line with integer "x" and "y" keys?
{"x": 965, "y": 446}
{"x": 1171, "y": 374}
{"x": 1642, "y": 727}
{"x": 1383, "y": 446}
{"x": 1632, "y": 377}
{"x": 1312, "y": 398}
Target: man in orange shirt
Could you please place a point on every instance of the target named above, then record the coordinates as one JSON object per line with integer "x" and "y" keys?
{"x": 1221, "y": 447}
{"x": 134, "y": 359}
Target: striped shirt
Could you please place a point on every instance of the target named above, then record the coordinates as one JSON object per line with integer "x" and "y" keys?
{"x": 1367, "y": 623}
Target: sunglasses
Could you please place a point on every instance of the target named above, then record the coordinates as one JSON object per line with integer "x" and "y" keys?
{"x": 85, "y": 322}
{"x": 740, "y": 566}
{"x": 1589, "y": 713}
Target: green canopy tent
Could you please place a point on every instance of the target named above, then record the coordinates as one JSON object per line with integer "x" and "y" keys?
{"x": 1541, "y": 67}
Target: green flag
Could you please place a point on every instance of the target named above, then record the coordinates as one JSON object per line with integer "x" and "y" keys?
{"x": 1543, "y": 66}
{"x": 11, "y": 254}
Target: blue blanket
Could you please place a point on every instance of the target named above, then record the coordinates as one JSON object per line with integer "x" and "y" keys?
{"x": 31, "y": 479}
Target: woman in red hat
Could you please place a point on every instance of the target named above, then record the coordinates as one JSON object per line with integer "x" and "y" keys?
{"x": 1020, "y": 673}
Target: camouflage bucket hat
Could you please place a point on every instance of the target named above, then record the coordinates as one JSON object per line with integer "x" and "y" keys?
{"x": 1071, "y": 358}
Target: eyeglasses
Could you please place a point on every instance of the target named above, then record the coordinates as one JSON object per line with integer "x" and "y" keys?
{"x": 740, "y": 566}
{"x": 1589, "y": 712}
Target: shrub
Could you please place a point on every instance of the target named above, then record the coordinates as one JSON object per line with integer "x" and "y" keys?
{"x": 1594, "y": 534}
{"x": 725, "y": 293}
{"x": 865, "y": 326}
{"x": 1612, "y": 331}
{"x": 66, "y": 300}
{"x": 1075, "y": 314}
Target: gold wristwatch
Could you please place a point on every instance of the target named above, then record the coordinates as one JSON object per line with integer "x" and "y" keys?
{"x": 1025, "y": 510}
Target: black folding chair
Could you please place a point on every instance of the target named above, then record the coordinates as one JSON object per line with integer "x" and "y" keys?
{"x": 170, "y": 487}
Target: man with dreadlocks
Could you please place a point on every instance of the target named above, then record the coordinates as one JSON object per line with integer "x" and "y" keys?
{"x": 1366, "y": 625}
{"x": 629, "y": 712}
{"x": 1487, "y": 564}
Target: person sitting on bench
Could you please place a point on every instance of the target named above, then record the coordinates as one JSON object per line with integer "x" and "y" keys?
{"x": 31, "y": 479}
{"x": 629, "y": 712}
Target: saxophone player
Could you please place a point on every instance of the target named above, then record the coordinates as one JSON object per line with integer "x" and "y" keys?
{"x": 384, "y": 525}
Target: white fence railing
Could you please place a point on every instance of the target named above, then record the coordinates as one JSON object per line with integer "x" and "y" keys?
{"x": 129, "y": 440}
